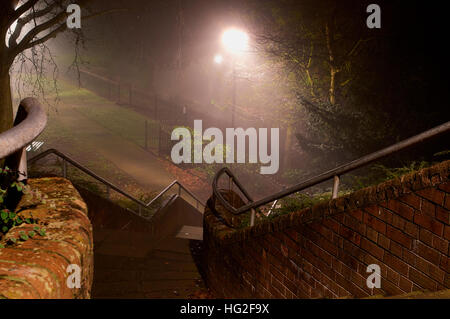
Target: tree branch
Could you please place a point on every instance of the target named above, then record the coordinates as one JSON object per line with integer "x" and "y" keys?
{"x": 50, "y": 35}
{"x": 21, "y": 10}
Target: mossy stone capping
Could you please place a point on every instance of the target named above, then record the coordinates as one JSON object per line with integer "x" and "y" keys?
{"x": 37, "y": 268}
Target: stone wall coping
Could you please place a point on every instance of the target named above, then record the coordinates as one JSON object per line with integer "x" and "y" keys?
{"x": 38, "y": 267}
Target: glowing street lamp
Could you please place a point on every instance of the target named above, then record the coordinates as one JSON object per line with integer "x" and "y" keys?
{"x": 236, "y": 42}
{"x": 218, "y": 59}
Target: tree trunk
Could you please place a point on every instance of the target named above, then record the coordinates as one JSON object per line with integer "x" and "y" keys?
{"x": 332, "y": 91}
{"x": 6, "y": 109}
{"x": 333, "y": 69}
{"x": 287, "y": 148}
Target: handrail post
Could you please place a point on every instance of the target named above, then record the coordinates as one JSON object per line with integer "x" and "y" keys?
{"x": 146, "y": 134}
{"x": 335, "y": 187}
{"x": 179, "y": 190}
{"x": 64, "y": 168}
{"x": 272, "y": 207}
{"x": 130, "y": 95}
{"x": 252, "y": 217}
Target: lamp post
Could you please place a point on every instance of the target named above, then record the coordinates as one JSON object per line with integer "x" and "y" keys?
{"x": 236, "y": 42}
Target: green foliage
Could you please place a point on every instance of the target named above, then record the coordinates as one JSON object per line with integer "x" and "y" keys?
{"x": 380, "y": 173}
{"x": 294, "y": 175}
{"x": 297, "y": 202}
{"x": 8, "y": 218}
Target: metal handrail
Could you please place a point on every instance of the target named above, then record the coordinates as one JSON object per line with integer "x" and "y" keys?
{"x": 109, "y": 184}
{"x": 29, "y": 122}
{"x": 233, "y": 180}
{"x": 334, "y": 173}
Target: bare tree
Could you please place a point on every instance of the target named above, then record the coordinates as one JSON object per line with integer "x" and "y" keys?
{"x": 25, "y": 26}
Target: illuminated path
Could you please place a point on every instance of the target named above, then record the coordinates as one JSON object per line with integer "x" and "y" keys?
{"x": 87, "y": 136}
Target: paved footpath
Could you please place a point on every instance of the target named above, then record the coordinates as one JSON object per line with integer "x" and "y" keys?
{"x": 142, "y": 166}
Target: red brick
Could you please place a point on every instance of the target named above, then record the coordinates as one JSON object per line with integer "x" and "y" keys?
{"x": 328, "y": 246}
{"x": 409, "y": 257}
{"x": 393, "y": 276}
{"x": 440, "y": 244}
{"x": 445, "y": 264}
{"x": 399, "y": 237}
{"x": 349, "y": 286}
{"x": 433, "y": 194}
{"x": 421, "y": 280}
{"x": 396, "y": 249}
{"x": 426, "y": 236}
{"x": 398, "y": 222}
{"x": 401, "y": 209}
{"x": 372, "y": 248}
{"x": 357, "y": 214}
{"x": 293, "y": 234}
{"x": 396, "y": 263}
{"x": 412, "y": 200}
{"x": 447, "y": 201}
{"x": 428, "y": 208}
{"x": 372, "y": 235}
{"x": 405, "y": 284}
{"x": 349, "y": 234}
{"x": 383, "y": 241}
{"x": 389, "y": 288}
{"x": 430, "y": 269}
{"x": 277, "y": 288}
{"x": 380, "y": 213}
{"x": 375, "y": 223}
{"x": 443, "y": 215}
{"x": 354, "y": 224}
{"x": 331, "y": 224}
{"x": 445, "y": 187}
{"x": 447, "y": 232}
{"x": 411, "y": 229}
{"x": 324, "y": 231}
{"x": 428, "y": 253}
{"x": 429, "y": 223}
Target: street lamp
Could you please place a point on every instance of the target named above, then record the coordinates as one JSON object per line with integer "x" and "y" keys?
{"x": 218, "y": 59}
{"x": 236, "y": 42}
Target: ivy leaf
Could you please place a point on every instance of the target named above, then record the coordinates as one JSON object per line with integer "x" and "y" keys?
{"x": 23, "y": 236}
{"x": 4, "y": 229}
{"x": 4, "y": 214}
{"x": 42, "y": 232}
{"x": 2, "y": 246}
{"x": 31, "y": 234}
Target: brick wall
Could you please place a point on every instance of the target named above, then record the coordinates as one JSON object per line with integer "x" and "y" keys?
{"x": 37, "y": 268}
{"x": 323, "y": 252}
